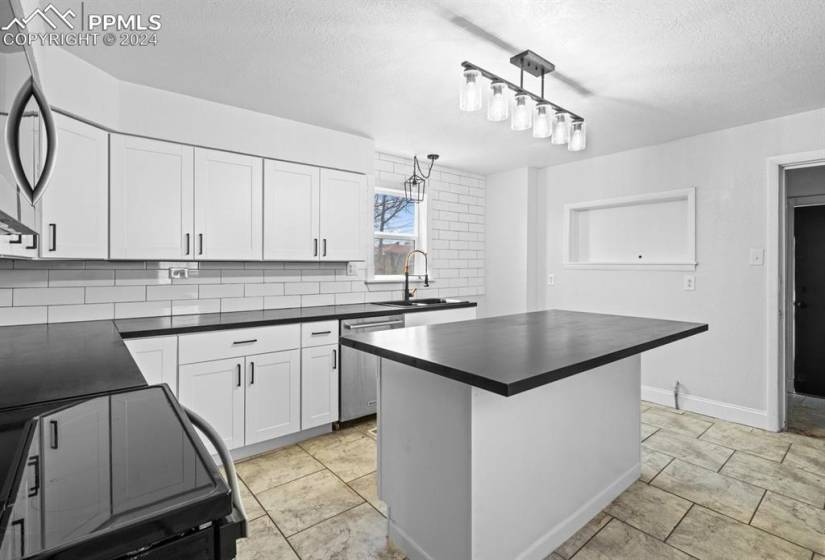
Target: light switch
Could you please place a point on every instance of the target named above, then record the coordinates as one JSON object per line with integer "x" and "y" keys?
{"x": 757, "y": 257}
{"x": 689, "y": 282}
{"x": 551, "y": 279}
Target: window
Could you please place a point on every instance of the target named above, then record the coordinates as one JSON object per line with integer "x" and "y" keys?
{"x": 396, "y": 223}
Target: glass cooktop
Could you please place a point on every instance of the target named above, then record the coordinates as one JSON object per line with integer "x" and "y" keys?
{"x": 119, "y": 471}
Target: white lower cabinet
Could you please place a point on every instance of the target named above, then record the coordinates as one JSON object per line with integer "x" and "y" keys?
{"x": 319, "y": 386}
{"x": 273, "y": 395}
{"x": 215, "y": 391}
{"x": 157, "y": 359}
{"x": 439, "y": 316}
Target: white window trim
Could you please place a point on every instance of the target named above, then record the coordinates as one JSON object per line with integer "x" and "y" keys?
{"x": 421, "y": 226}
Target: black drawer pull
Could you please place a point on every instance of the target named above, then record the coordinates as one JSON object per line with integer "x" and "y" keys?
{"x": 250, "y": 341}
{"x": 35, "y": 462}
{"x": 318, "y": 333}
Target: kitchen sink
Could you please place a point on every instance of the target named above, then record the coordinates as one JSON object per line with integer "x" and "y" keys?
{"x": 424, "y": 302}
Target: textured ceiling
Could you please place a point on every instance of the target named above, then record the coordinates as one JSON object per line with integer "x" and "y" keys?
{"x": 640, "y": 71}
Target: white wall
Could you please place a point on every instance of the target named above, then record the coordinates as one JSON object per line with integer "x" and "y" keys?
{"x": 723, "y": 371}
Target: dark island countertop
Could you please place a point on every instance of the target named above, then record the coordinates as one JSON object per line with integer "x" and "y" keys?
{"x": 41, "y": 363}
{"x": 182, "y": 324}
{"x": 514, "y": 353}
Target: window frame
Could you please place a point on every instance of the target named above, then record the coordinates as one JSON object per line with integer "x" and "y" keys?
{"x": 419, "y": 238}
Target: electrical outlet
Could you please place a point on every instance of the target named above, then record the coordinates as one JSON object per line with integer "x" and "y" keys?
{"x": 757, "y": 257}
{"x": 689, "y": 282}
{"x": 351, "y": 269}
{"x": 551, "y": 279}
{"x": 178, "y": 273}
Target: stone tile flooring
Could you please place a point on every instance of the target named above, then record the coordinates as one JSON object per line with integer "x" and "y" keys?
{"x": 806, "y": 415}
{"x": 709, "y": 490}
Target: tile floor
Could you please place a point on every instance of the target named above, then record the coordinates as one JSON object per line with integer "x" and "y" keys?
{"x": 709, "y": 490}
{"x": 806, "y": 415}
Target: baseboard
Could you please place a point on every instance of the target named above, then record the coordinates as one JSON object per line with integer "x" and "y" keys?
{"x": 550, "y": 541}
{"x": 401, "y": 541}
{"x": 709, "y": 407}
{"x": 273, "y": 444}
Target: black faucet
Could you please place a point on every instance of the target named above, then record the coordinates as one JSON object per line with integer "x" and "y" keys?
{"x": 407, "y": 293}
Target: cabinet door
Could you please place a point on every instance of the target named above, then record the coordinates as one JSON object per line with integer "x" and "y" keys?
{"x": 215, "y": 391}
{"x": 74, "y": 210}
{"x": 343, "y": 204}
{"x": 152, "y": 199}
{"x": 273, "y": 395}
{"x": 11, "y": 245}
{"x": 157, "y": 359}
{"x": 25, "y": 521}
{"x": 228, "y": 206}
{"x": 291, "y": 208}
{"x": 76, "y": 471}
{"x": 319, "y": 386}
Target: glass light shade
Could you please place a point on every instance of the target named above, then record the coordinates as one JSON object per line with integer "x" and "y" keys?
{"x": 498, "y": 104}
{"x": 522, "y": 115}
{"x": 542, "y": 120}
{"x": 470, "y": 99}
{"x": 578, "y": 137}
{"x": 561, "y": 128}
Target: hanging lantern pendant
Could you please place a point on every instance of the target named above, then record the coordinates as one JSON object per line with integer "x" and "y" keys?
{"x": 415, "y": 186}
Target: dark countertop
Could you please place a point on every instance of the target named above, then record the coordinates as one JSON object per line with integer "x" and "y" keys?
{"x": 514, "y": 353}
{"x": 181, "y": 324}
{"x": 41, "y": 363}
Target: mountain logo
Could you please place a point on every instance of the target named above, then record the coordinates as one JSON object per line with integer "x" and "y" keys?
{"x": 49, "y": 14}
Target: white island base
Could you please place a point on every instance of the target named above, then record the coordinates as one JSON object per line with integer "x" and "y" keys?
{"x": 469, "y": 474}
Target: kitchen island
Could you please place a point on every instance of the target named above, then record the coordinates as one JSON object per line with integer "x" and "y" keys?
{"x": 501, "y": 437}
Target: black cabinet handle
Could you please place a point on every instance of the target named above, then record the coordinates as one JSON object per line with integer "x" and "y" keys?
{"x": 249, "y": 341}
{"x": 321, "y": 332}
{"x": 335, "y": 359}
{"x": 34, "y": 242}
{"x": 187, "y": 243}
{"x": 53, "y": 236}
{"x": 53, "y": 434}
{"x": 17, "y": 240}
{"x": 251, "y": 373}
{"x": 35, "y": 462}
{"x": 239, "y": 375}
{"x": 22, "y": 523}
{"x": 200, "y": 243}
{"x": 315, "y": 250}
{"x": 325, "y": 246}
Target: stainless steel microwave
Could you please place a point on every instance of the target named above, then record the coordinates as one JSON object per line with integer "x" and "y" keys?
{"x": 28, "y": 143}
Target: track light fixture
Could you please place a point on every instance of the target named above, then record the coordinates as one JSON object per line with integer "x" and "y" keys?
{"x": 547, "y": 119}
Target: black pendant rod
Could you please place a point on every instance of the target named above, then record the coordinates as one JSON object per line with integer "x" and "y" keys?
{"x": 538, "y": 98}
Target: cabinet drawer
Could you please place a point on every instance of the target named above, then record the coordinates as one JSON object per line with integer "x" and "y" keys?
{"x": 234, "y": 343}
{"x": 319, "y": 333}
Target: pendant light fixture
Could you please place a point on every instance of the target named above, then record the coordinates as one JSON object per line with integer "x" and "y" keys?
{"x": 415, "y": 186}
{"x": 470, "y": 99}
{"x": 498, "y": 104}
{"x": 547, "y": 119}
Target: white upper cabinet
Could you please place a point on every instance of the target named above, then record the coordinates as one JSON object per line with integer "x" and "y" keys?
{"x": 152, "y": 193}
{"x": 74, "y": 210}
{"x": 342, "y": 216}
{"x": 291, "y": 211}
{"x": 228, "y": 206}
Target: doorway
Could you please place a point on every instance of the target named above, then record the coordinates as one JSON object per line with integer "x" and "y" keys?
{"x": 805, "y": 300}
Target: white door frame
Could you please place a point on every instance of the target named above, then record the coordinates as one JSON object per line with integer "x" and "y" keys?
{"x": 776, "y": 267}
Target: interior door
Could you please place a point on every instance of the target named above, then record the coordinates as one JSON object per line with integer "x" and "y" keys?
{"x": 273, "y": 395}
{"x": 76, "y": 470}
{"x": 74, "y": 210}
{"x": 319, "y": 386}
{"x": 228, "y": 206}
{"x": 809, "y": 300}
{"x": 343, "y": 204}
{"x": 215, "y": 391}
{"x": 152, "y": 199}
{"x": 291, "y": 211}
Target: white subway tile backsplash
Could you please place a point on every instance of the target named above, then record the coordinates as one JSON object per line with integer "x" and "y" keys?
{"x": 22, "y": 315}
{"x": 209, "y": 291}
{"x": 171, "y": 292}
{"x": 115, "y": 294}
{"x": 64, "y": 278}
{"x": 84, "y": 312}
{"x": 47, "y": 296}
{"x": 24, "y": 278}
{"x": 70, "y": 290}
{"x": 142, "y": 309}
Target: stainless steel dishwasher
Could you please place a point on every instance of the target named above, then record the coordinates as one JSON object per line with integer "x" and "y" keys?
{"x": 358, "y": 380}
